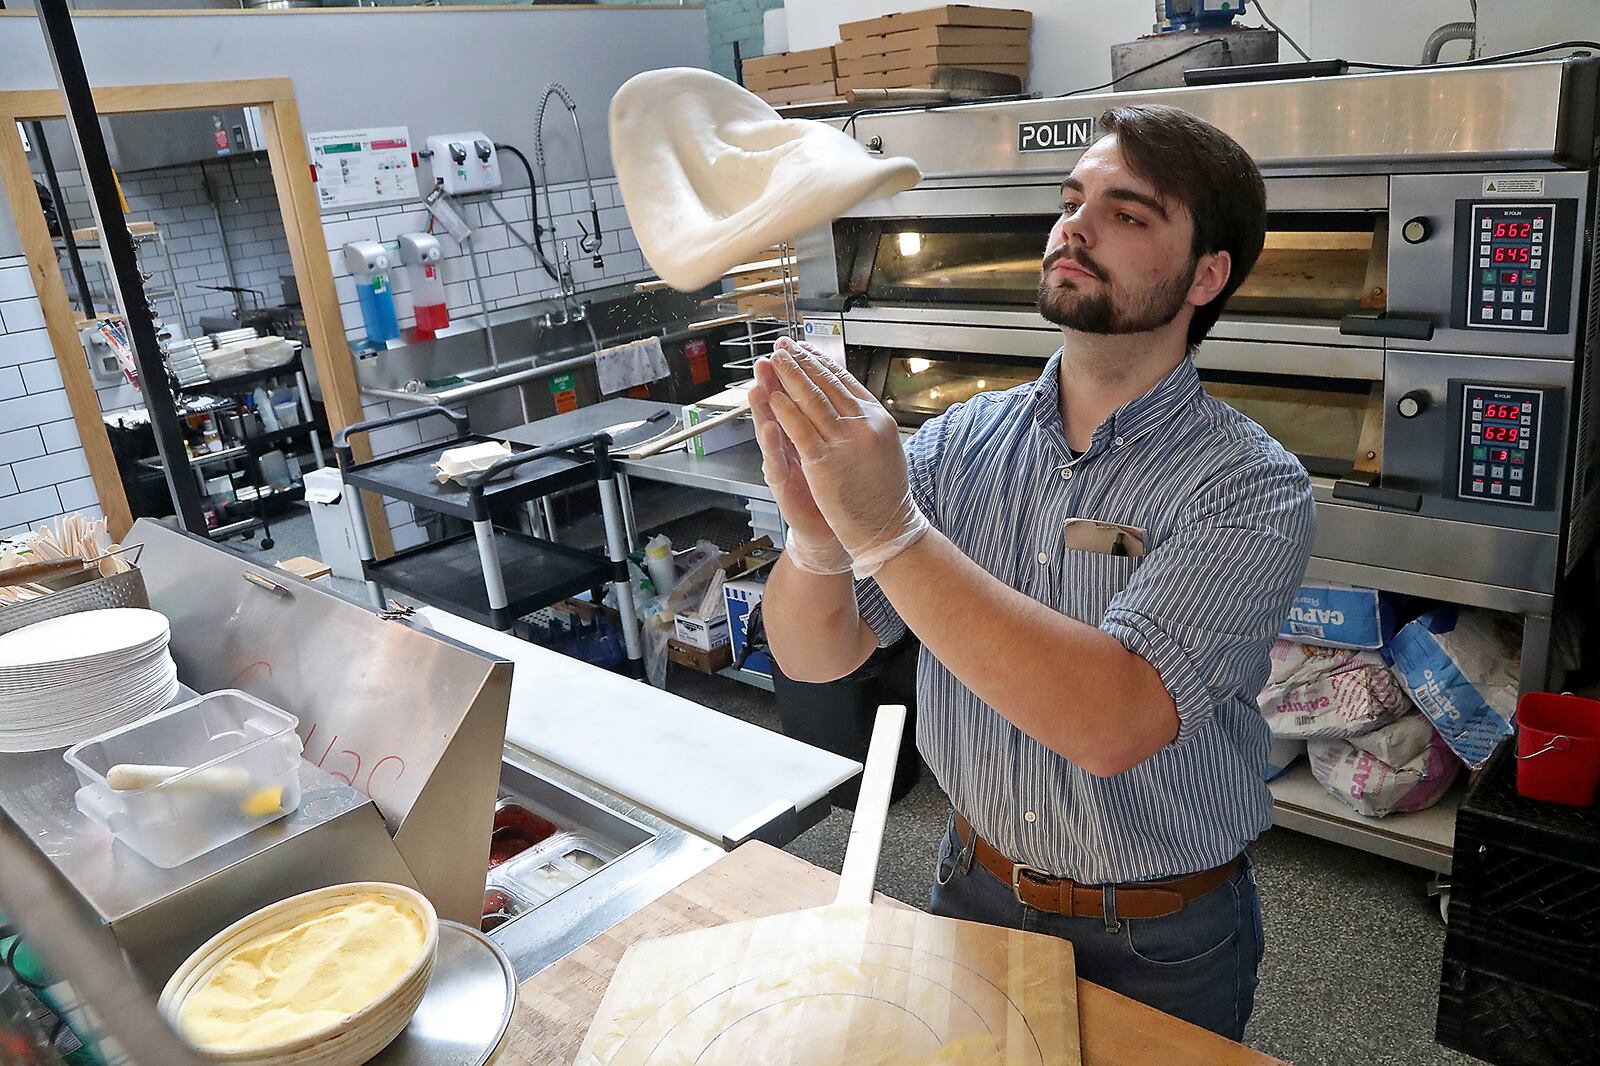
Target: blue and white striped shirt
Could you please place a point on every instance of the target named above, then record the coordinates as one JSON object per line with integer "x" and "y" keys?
{"x": 1227, "y": 515}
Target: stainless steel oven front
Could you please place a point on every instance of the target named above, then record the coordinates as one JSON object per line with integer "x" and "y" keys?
{"x": 1420, "y": 329}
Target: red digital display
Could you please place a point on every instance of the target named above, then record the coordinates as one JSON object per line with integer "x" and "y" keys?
{"x": 1502, "y": 410}
{"x": 1513, "y": 229}
{"x": 1500, "y": 434}
{"x": 1511, "y": 255}
{"x": 1509, "y": 277}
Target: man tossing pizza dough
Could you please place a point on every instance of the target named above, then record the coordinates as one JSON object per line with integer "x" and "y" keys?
{"x": 1096, "y": 565}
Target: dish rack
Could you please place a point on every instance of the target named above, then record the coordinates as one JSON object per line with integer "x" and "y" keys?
{"x": 86, "y": 590}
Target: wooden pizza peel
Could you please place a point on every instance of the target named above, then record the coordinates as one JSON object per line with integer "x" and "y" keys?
{"x": 846, "y": 983}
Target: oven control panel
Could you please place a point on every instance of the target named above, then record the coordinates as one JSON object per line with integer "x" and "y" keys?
{"x": 1512, "y": 289}
{"x": 1501, "y": 440}
{"x": 1513, "y": 265}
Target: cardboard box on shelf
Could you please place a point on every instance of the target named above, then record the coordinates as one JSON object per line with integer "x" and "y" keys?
{"x": 801, "y": 94}
{"x": 789, "y": 79}
{"x": 707, "y": 662}
{"x": 306, "y": 567}
{"x": 995, "y": 80}
{"x": 703, "y": 633}
{"x": 785, "y": 69}
{"x": 748, "y": 558}
{"x": 742, "y": 597}
{"x": 1005, "y": 59}
{"x": 930, "y": 37}
{"x": 946, "y": 15}
{"x": 727, "y": 435}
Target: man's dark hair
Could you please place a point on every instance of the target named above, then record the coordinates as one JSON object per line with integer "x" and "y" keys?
{"x": 1188, "y": 160}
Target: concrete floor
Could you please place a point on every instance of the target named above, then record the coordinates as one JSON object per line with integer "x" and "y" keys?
{"x": 1353, "y": 948}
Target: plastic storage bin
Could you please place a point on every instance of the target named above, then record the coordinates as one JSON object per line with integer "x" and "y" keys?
{"x": 240, "y": 761}
{"x": 1523, "y": 944}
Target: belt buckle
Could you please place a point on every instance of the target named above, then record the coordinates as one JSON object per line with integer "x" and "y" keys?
{"x": 1017, "y": 870}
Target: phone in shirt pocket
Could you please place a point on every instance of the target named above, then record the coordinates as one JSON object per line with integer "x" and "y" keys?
{"x": 1106, "y": 538}
{"x": 1098, "y": 560}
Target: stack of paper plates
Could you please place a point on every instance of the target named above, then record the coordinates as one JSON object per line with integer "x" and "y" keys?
{"x": 72, "y": 678}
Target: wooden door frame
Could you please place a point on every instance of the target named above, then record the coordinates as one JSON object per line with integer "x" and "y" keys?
{"x": 302, "y": 223}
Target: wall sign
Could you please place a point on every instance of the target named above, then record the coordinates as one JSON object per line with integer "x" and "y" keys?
{"x": 356, "y": 167}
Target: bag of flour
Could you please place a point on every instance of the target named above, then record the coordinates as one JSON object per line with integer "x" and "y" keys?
{"x": 1328, "y": 692}
{"x": 1460, "y": 665}
{"x": 1400, "y": 741}
{"x": 1282, "y": 755}
{"x": 1376, "y": 788}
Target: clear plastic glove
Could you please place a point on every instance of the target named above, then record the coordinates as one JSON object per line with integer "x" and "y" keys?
{"x": 811, "y": 545}
{"x": 849, "y": 452}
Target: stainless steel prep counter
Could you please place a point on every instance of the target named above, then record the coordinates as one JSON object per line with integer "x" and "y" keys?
{"x": 735, "y": 471}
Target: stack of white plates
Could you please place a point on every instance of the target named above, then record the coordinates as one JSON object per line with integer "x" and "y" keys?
{"x": 71, "y": 678}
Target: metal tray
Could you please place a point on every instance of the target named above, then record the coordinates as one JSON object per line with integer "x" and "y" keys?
{"x": 464, "y": 1015}
{"x": 551, "y": 867}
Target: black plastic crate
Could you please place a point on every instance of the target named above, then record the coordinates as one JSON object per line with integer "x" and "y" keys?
{"x": 1513, "y": 1007}
{"x": 1528, "y": 873}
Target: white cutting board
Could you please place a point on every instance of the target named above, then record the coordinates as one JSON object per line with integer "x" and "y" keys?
{"x": 698, "y": 767}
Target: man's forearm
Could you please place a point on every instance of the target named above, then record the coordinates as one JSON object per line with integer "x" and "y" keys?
{"x": 1074, "y": 689}
{"x": 813, "y": 627}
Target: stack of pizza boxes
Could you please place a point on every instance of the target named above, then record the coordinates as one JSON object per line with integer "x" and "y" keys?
{"x": 928, "y": 49}
{"x": 802, "y": 77}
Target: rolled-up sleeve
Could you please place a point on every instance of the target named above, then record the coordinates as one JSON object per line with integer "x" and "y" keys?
{"x": 924, "y": 451}
{"x": 1204, "y": 606}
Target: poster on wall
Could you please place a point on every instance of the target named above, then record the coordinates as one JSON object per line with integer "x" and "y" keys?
{"x": 356, "y": 167}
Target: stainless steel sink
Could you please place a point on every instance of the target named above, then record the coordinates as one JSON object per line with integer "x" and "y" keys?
{"x": 459, "y": 354}
{"x": 454, "y": 368}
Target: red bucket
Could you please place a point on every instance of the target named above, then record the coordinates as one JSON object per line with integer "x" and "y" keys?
{"x": 1558, "y": 749}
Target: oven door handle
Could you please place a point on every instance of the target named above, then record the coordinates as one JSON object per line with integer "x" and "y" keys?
{"x": 1398, "y": 327}
{"x": 1356, "y": 492}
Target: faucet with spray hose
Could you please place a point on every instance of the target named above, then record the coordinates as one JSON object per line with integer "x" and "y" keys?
{"x": 591, "y": 242}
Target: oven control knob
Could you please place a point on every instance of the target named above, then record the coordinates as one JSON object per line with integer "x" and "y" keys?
{"x": 1412, "y": 404}
{"x": 1416, "y": 230}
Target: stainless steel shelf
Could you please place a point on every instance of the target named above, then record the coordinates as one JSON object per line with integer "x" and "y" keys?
{"x": 1424, "y": 838}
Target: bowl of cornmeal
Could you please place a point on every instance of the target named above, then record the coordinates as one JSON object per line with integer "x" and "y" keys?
{"x": 325, "y": 978}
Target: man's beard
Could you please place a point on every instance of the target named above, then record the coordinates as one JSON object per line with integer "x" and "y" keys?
{"x": 1097, "y": 312}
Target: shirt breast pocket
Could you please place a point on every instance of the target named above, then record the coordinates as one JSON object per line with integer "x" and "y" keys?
{"x": 1091, "y": 580}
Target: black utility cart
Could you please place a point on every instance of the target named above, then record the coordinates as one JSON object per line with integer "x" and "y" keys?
{"x": 490, "y": 574}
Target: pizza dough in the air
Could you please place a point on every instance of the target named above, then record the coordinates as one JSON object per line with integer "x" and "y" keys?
{"x": 712, "y": 176}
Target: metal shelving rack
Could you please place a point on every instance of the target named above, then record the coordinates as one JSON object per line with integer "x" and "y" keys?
{"x": 247, "y": 454}
{"x": 250, "y": 450}
{"x": 145, "y": 235}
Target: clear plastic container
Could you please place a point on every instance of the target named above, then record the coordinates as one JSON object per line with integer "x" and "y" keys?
{"x": 193, "y": 777}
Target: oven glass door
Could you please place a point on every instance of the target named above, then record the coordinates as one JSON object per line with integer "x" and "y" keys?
{"x": 1314, "y": 265}
{"x": 1320, "y": 265}
{"x": 1334, "y": 427}
{"x": 989, "y": 260}
{"x": 916, "y": 386}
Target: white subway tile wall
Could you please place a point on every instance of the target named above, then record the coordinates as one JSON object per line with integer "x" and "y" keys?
{"x": 511, "y": 273}
{"x": 43, "y": 472}
{"x": 42, "y": 469}
{"x": 251, "y": 239}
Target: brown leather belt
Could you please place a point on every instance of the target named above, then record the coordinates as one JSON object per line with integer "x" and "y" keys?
{"x": 1060, "y": 895}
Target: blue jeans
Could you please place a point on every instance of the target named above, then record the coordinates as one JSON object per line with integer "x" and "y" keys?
{"x": 1198, "y": 964}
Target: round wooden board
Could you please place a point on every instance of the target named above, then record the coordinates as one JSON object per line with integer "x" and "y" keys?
{"x": 868, "y": 986}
